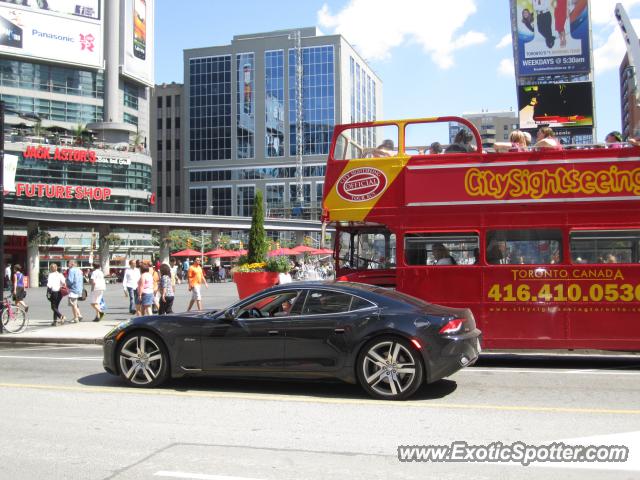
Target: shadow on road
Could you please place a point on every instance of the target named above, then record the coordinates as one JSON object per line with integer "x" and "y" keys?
{"x": 312, "y": 389}
{"x": 560, "y": 361}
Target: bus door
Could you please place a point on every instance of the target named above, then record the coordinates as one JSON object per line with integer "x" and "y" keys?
{"x": 366, "y": 255}
{"x": 603, "y": 290}
{"x": 525, "y": 289}
{"x": 442, "y": 267}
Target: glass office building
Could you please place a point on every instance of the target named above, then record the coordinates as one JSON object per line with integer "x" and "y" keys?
{"x": 241, "y": 111}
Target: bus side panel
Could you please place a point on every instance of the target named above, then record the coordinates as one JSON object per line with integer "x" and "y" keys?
{"x": 517, "y": 312}
{"x": 608, "y": 313}
{"x": 457, "y": 286}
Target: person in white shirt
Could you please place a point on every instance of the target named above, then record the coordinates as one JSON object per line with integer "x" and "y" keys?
{"x": 130, "y": 284}
{"x": 55, "y": 281}
{"x": 98, "y": 286}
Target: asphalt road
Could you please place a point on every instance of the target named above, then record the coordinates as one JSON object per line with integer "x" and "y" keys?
{"x": 65, "y": 418}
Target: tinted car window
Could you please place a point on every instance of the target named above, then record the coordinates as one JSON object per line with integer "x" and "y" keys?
{"x": 323, "y": 301}
{"x": 358, "y": 303}
{"x": 275, "y": 305}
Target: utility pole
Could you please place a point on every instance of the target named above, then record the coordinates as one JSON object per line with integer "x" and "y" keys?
{"x": 2, "y": 200}
{"x": 201, "y": 247}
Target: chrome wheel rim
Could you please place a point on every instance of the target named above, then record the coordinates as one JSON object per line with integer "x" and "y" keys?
{"x": 389, "y": 368}
{"x": 141, "y": 360}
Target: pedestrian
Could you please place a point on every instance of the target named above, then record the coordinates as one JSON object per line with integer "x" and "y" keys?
{"x": 166, "y": 290}
{"x": 145, "y": 290}
{"x": 156, "y": 287}
{"x": 7, "y": 277}
{"x": 98, "y": 286}
{"x": 185, "y": 268}
{"x": 196, "y": 279}
{"x": 75, "y": 282}
{"x": 19, "y": 293}
{"x": 55, "y": 282}
{"x": 130, "y": 284}
{"x": 175, "y": 275}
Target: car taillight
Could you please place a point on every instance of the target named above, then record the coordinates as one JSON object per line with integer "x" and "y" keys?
{"x": 453, "y": 326}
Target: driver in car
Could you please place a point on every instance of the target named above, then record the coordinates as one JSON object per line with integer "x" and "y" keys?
{"x": 285, "y": 308}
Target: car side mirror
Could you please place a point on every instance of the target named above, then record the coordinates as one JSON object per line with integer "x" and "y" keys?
{"x": 231, "y": 314}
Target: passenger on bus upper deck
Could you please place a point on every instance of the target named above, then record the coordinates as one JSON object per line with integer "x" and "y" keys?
{"x": 435, "y": 148}
{"x": 546, "y": 139}
{"x": 614, "y": 140}
{"x": 385, "y": 149}
{"x": 461, "y": 142}
{"x": 517, "y": 143}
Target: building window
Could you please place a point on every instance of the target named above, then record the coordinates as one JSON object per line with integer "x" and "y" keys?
{"x": 275, "y": 200}
{"x": 274, "y": 103}
{"x": 306, "y": 195}
{"x": 159, "y": 145}
{"x": 177, "y": 147}
{"x": 177, "y": 122}
{"x": 210, "y": 108}
{"x": 318, "y": 100}
{"x": 168, "y": 167}
{"x": 130, "y": 119}
{"x": 131, "y": 94}
{"x": 159, "y": 124}
{"x": 169, "y": 101}
{"x": 159, "y": 102}
{"x": 198, "y": 201}
{"x": 159, "y": 165}
{"x": 246, "y": 120}
{"x": 221, "y": 201}
{"x": 246, "y": 196}
{"x": 168, "y": 142}
{"x": 177, "y": 101}
{"x": 168, "y": 122}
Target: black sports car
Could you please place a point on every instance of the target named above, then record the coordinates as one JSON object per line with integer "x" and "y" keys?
{"x": 388, "y": 342}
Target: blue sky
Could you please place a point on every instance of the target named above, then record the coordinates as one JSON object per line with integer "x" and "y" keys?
{"x": 434, "y": 57}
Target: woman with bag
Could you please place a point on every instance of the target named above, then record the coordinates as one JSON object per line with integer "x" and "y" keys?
{"x": 166, "y": 290}
{"x": 19, "y": 292}
{"x": 56, "y": 289}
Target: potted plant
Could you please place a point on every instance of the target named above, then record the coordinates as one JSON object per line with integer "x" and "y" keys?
{"x": 252, "y": 273}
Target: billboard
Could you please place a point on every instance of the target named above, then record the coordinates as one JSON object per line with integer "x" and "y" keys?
{"x": 79, "y": 8}
{"x": 556, "y": 105}
{"x": 136, "y": 40}
{"x": 551, "y": 37}
{"x": 44, "y": 34}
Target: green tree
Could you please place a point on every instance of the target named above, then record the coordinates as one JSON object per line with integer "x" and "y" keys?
{"x": 258, "y": 245}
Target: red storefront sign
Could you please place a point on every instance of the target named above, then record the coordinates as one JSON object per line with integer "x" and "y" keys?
{"x": 67, "y": 192}
{"x": 41, "y": 152}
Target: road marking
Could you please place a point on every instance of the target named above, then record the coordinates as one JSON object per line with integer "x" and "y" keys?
{"x": 333, "y": 401}
{"x": 198, "y": 476}
{"x": 545, "y": 370}
{"x": 25, "y": 357}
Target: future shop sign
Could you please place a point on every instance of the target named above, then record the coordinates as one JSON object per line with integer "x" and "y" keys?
{"x": 361, "y": 184}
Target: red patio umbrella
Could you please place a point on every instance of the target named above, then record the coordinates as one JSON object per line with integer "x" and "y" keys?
{"x": 235, "y": 253}
{"x": 218, "y": 252}
{"x": 302, "y": 249}
{"x": 321, "y": 251}
{"x": 186, "y": 253}
{"x": 281, "y": 251}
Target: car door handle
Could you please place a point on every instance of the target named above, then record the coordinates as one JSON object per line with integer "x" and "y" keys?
{"x": 338, "y": 330}
{"x": 274, "y": 332}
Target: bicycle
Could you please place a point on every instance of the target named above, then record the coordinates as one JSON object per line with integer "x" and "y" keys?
{"x": 14, "y": 318}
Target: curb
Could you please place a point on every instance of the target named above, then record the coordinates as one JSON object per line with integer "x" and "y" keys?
{"x": 11, "y": 338}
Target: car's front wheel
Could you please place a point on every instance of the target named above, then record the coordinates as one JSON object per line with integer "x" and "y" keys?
{"x": 390, "y": 368}
{"x": 143, "y": 360}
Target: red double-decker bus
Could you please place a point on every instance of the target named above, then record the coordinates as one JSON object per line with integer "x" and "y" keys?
{"x": 542, "y": 245}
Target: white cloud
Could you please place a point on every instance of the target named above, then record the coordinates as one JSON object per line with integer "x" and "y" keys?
{"x": 506, "y": 67}
{"x": 504, "y": 41}
{"x": 376, "y": 27}
{"x": 602, "y": 10}
{"x": 609, "y": 55}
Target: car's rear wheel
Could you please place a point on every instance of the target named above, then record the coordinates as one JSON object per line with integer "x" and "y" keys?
{"x": 143, "y": 360}
{"x": 390, "y": 368}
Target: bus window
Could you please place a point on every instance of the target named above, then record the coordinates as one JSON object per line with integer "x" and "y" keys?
{"x": 524, "y": 247}
{"x": 441, "y": 248}
{"x": 367, "y": 142}
{"x": 600, "y": 246}
{"x": 367, "y": 250}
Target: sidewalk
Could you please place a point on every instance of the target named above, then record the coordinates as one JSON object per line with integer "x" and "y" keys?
{"x": 218, "y": 295}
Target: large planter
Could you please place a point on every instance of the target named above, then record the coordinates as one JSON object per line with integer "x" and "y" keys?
{"x": 249, "y": 283}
